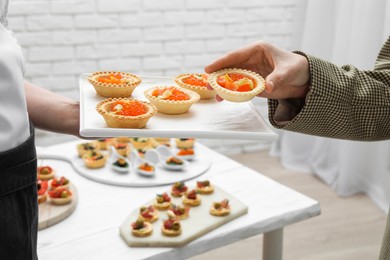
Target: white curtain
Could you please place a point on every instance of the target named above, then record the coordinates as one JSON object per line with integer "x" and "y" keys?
{"x": 343, "y": 32}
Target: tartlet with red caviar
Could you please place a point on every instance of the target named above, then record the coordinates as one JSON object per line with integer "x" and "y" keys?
{"x": 171, "y": 100}
{"x": 125, "y": 112}
{"x": 114, "y": 83}
{"x": 236, "y": 85}
{"x": 197, "y": 83}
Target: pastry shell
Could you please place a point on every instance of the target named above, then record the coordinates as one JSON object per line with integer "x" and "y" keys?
{"x": 144, "y": 232}
{"x": 205, "y": 190}
{"x": 170, "y": 233}
{"x": 191, "y": 202}
{"x": 203, "y": 92}
{"x": 120, "y": 121}
{"x": 172, "y": 107}
{"x": 61, "y": 201}
{"x": 162, "y": 206}
{"x": 236, "y": 96}
{"x": 220, "y": 212}
{"x": 114, "y": 90}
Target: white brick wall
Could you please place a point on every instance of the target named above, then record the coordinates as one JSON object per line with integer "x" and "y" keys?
{"x": 62, "y": 39}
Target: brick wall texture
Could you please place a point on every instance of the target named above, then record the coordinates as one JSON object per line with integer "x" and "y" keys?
{"x": 63, "y": 38}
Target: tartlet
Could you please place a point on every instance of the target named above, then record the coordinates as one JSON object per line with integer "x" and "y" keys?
{"x": 163, "y": 201}
{"x": 60, "y": 196}
{"x": 45, "y": 172}
{"x": 178, "y": 189}
{"x": 141, "y": 228}
{"x": 94, "y": 160}
{"x": 171, "y": 227}
{"x": 114, "y": 83}
{"x": 184, "y": 143}
{"x": 87, "y": 147}
{"x": 204, "y": 187}
{"x": 171, "y": 100}
{"x": 191, "y": 199}
{"x": 197, "y": 83}
{"x": 126, "y": 113}
{"x": 180, "y": 212}
{"x": 220, "y": 209}
{"x": 140, "y": 142}
{"x": 236, "y": 85}
{"x": 149, "y": 214}
{"x": 42, "y": 187}
{"x": 59, "y": 182}
{"x": 122, "y": 148}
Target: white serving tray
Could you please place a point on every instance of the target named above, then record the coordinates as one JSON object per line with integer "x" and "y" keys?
{"x": 206, "y": 119}
{"x": 199, "y": 223}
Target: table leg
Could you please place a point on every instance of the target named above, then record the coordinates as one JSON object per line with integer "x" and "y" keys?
{"x": 273, "y": 245}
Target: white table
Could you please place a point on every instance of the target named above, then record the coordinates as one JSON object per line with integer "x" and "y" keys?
{"x": 92, "y": 231}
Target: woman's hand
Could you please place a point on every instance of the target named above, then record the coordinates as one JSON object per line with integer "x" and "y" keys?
{"x": 286, "y": 74}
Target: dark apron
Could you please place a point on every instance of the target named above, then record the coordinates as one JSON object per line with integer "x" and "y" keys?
{"x": 18, "y": 202}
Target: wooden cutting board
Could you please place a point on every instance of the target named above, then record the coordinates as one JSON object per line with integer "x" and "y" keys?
{"x": 50, "y": 214}
{"x": 198, "y": 224}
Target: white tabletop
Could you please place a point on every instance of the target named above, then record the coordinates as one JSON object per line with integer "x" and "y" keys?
{"x": 92, "y": 231}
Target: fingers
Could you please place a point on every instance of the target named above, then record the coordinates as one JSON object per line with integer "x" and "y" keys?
{"x": 218, "y": 64}
{"x": 218, "y": 98}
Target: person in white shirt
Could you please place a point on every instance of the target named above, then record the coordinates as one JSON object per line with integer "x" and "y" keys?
{"x": 23, "y": 105}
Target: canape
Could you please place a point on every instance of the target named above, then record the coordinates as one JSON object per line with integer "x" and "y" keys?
{"x": 178, "y": 189}
{"x": 125, "y": 113}
{"x": 149, "y": 214}
{"x": 87, "y": 147}
{"x": 122, "y": 148}
{"x": 121, "y": 165}
{"x": 197, "y": 83}
{"x": 163, "y": 201}
{"x": 204, "y": 187}
{"x": 104, "y": 143}
{"x": 185, "y": 143}
{"x": 45, "y": 172}
{"x": 171, "y": 227}
{"x": 180, "y": 212}
{"x": 174, "y": 163}
{"x": 94, "y": 160}
{"x": 141, "y": 228}
{"x": 146, "y": 169}
{"x": 113, "y": 83}
{"x": 60, "y": 196}
{"x": 59, "y": 182}
{"x": 171, "y": 100}
{"x": 42, "y": 187}
{"x": 220, "y": 209}
{"x": 191, "y": 198}
{"x": 140, "y": 143}
{"x": 236, "y": 85}
{"x": 186, "y": 154}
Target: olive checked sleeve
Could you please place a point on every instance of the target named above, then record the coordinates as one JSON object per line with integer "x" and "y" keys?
{"x": 344, "y": 102}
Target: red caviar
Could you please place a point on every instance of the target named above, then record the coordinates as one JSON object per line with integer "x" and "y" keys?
{"x": 132, "y": 108}
{"x": 228, "y": 81}
{"x": 111, "y": 78}
{"x": 199, "y": 81}
{"x": 176, "y": 95}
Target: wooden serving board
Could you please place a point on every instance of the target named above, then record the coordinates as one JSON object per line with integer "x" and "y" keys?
{"x": 50, "y": 214}
{"x": 199, "y": 223}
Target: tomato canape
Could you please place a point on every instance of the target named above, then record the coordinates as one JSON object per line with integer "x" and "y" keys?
{"x": 141, "y": 228}
{"x": 191, "y": 198}
{"x": 220, "y": 208}
{"x": 149, "y": 214}
{"x": 45, "y": 172}
{"x": 42, "y": 187}
{"x": 178, "y": 189}
{"x": 60, "y": 196}
{"x": 171, "y": 227}
{"x": 59, "y": 182}
{"x": 163, "y": 201}
{"x": 180, "y": 211}
{"x": 204, "y": 187}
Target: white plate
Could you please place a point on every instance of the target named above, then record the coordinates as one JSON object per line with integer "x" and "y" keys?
{"x": 205, "y": 119}
{"x": 106, "y": 175}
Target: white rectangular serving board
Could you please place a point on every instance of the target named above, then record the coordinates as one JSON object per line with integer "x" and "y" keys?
{"x": 205, "y": 119}
{"x": 200, "y": 222}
